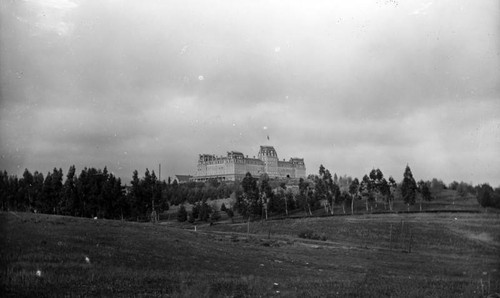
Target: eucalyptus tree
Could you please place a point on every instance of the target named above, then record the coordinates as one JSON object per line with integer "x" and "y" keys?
{"x": 424, "y": 191}
{"x": 304, "y": 197}
{"x": 266, "y": 193}
{"x": 365, "y": 189}
{"x": 393, "y": 186}
{"x": 354, "y": 192}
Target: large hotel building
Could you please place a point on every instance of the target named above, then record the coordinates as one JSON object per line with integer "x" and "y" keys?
{"x": 235, "y": 165}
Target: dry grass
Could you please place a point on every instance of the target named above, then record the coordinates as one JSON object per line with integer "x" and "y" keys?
{"x": 450, "y": 257}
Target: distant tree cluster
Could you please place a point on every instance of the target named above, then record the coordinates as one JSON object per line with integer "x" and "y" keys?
{"x": 258, "y": 198}
{"x": 147, "y": 195}
{"x": 202, "y": 211}
{"x": 462, "y": 188}
{"x": 98, "y": 193}
{"x": 324, "y": 190}
{"x": 487, "y": 196}
{"x": 92, "y": 193}
{"x": 193, "y": 192}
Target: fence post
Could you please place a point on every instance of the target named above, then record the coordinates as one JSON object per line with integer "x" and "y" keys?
{"x": 402, "y": 235}
{"x": 390, "y": 236}
{"x": 411, "y": 238}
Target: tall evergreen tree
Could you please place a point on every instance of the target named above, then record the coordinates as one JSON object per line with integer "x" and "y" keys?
{"x": 424, "y": 191}
{"x": 26, "y": 187}
{"x": 135, "y": 195}
{"x": 49, "y": 197}
{"x": 182, "y": 214}
{"x": 70, "y": 202}
{"x": 321, "y": 171}
{"x": 408, "y": 187}
{"x": 121, "y": 207}
{"x": 248, "y": 202}
{"x": 4, "y": 191}
{"x": 205, "y": 211}
{"x": 37, "y": 188}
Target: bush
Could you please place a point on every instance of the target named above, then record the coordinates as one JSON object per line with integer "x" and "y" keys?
{"x": 215, "y": 216}
{"x": 191, "y": 217}
{"x": 182, "y": 214}
{"x": 196, "y": 210}
{"x": 309, "y": 234}
{"x": 205, "y": 211}
{"x": 488, "y": 197}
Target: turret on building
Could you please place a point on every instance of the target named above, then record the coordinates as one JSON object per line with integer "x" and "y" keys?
{"x": 235, "y": 165}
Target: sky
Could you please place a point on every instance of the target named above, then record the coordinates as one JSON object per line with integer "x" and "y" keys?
{"x": 352, "y": 85}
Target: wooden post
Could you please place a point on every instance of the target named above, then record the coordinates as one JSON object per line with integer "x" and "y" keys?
{"x": 402, "y": 235}
{"x": 409, "y": 246}
{"x": 390, "y": 236}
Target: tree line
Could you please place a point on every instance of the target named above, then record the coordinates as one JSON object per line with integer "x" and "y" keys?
{"x": 323, "y": 190}
{"x": 98, "y": 193}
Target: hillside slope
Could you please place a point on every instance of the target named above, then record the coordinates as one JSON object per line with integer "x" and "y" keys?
{"x": 44, "y": 255}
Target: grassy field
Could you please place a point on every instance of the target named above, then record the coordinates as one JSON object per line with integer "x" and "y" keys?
{"x": 452, "y": 255}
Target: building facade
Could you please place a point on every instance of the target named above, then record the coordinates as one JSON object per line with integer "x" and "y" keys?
{"x": 235, "y": 165}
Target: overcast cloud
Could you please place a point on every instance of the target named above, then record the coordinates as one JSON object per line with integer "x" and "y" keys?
{"x": 352, "y": 86}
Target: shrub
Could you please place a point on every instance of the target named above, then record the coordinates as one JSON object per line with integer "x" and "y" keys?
{"x": 190, "y": 217}
{"x": 215, "y": 216}
{"x": 205, "y": 211}
{"x": 182, "y": 214}
{"x": 196, "y": 210}
{"x": 488, "y": 197}
{"x": 309, "y": 234}
{"x": 230, "y": 213}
